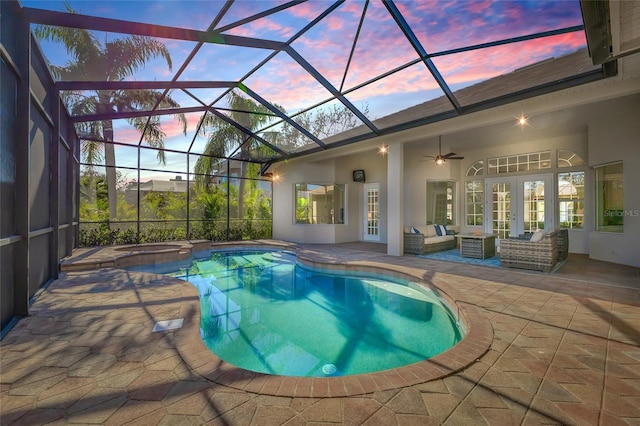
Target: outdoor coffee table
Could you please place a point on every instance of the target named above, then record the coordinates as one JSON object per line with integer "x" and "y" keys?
{"x": 478, "y": 246}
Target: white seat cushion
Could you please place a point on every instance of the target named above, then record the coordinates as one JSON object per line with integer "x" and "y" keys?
{"x": 442, "y": 239}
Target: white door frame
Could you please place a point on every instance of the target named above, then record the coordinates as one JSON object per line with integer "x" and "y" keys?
{"x": 517, "y": 208}
{"x": 371, "y": 207}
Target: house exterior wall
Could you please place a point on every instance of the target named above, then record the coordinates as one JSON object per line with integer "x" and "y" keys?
{"x": 284, "y": 226}
{"x": 338, "y": 170}
{"x": 614, "y": 137}
{"x": 610, "y": 135}
{"x": 511, "y": 144}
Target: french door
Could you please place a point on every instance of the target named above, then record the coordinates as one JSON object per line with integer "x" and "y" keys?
{"x": 516, "y": 205}
{"x": 372, "y": 212}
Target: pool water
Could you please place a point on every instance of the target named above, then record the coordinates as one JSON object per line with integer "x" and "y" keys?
{"x": 262, "y": 312}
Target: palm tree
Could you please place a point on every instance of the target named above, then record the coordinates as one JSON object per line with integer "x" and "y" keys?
{"x": 113, "y": 60}
{"x": 224, "y": 138}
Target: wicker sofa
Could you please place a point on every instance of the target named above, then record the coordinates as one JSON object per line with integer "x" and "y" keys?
{"x": 427, "y": 240}
{"x": 523, "y": 253}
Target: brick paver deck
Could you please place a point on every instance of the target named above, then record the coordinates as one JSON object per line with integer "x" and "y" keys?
{"x": 561, "y": 349}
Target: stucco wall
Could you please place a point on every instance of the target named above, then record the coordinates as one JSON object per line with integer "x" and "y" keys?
{"x": 337, "y": 170}
{"x": 613, "y": 137}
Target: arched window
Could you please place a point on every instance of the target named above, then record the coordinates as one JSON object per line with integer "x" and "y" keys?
{"x": 568, "y": 158}
{"x": 476, "y": 169}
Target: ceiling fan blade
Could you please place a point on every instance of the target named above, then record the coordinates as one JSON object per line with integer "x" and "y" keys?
{"x": 448, "y": 155}
{"x": 455, "y": 158}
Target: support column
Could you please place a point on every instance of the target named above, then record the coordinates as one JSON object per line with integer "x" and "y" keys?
{"x": 395, "y": 199}
{"x": 11, "y": 11}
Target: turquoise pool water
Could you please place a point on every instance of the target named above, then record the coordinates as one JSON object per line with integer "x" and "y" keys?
{"x": 262, "y": 312}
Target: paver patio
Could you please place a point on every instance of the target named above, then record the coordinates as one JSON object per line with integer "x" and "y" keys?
{"x": 565, "y": 349}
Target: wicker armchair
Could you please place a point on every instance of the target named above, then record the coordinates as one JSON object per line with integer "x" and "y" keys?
{"x": 563, "y": 244}
{"x": 524, "y": 254}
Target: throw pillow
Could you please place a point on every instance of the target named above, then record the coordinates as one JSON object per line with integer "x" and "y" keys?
{"x": 441, "y": 230}
{"x": 414, "y": 230}
{"x": 537, "y": 236}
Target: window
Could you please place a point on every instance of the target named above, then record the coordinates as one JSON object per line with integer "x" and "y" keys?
{"x": 571, "y": 199}
{"x": 609, "y": 198}
{"x": 474, "y": 202}
{"x": 320, "y": 203}
{"x": 568, "y": 158}
{"x": 476, "y": 169}
{"x": 520, "y": 163}
{"x": 441, "y": 197}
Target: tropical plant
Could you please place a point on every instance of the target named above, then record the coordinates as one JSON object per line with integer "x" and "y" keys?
{"x": 224, "y": 139}
{"x": 111, "y": 60}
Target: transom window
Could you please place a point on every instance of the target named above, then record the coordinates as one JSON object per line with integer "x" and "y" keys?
{"x": 568, "y": 158}
{"x": 476, "y": 169}
{"x": 519, "y": 163}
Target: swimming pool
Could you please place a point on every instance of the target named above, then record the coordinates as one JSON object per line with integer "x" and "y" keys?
{"x": 263, "y": 312}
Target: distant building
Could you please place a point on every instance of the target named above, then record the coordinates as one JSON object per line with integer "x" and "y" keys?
{"x": 154, "y": 185}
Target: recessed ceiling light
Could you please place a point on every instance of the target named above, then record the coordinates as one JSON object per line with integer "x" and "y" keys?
{"x": 522, "y": 121}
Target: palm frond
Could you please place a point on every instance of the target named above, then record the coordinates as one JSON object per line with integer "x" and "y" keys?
{"x": 125, "y": 56}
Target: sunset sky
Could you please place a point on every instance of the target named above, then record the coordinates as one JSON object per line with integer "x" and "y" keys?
{"x": 439, "y": 26}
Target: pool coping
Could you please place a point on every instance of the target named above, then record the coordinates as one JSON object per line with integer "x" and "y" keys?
{"x": 476, "y": 342}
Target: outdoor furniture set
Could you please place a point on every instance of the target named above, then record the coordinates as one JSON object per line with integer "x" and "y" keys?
{"x": 539, "y": 251}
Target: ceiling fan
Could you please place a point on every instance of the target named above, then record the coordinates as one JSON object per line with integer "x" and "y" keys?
{"x": 440, "y": 159}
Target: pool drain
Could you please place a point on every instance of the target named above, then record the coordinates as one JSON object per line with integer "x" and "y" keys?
{"x": 329, "y": 369}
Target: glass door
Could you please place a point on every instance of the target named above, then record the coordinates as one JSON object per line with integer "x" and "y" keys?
{"x": 518, "y": 205}
{"x": 372, "y": 212}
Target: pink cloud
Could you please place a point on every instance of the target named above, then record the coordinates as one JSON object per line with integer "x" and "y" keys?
{"x": 334, "y": 23}
{"x": 444, "y": 25}
{"x": 284, "y": 82}
{"x": 307, "y": 10}
{"x": 126, "y": 133}
{"x": 265, "y": 27}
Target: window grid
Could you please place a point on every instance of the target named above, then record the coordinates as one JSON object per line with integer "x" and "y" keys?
{"x": 533, "y": 205}
{"x": 372, "y": 209}
{"x": 501, "y": 209}
{"x": 571, "y": 199}
{"x": 519, "y": 163}
{"x": 476, "y": 169}
{"x": 568, "y": 158}
{"x": 474, "y": 201}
